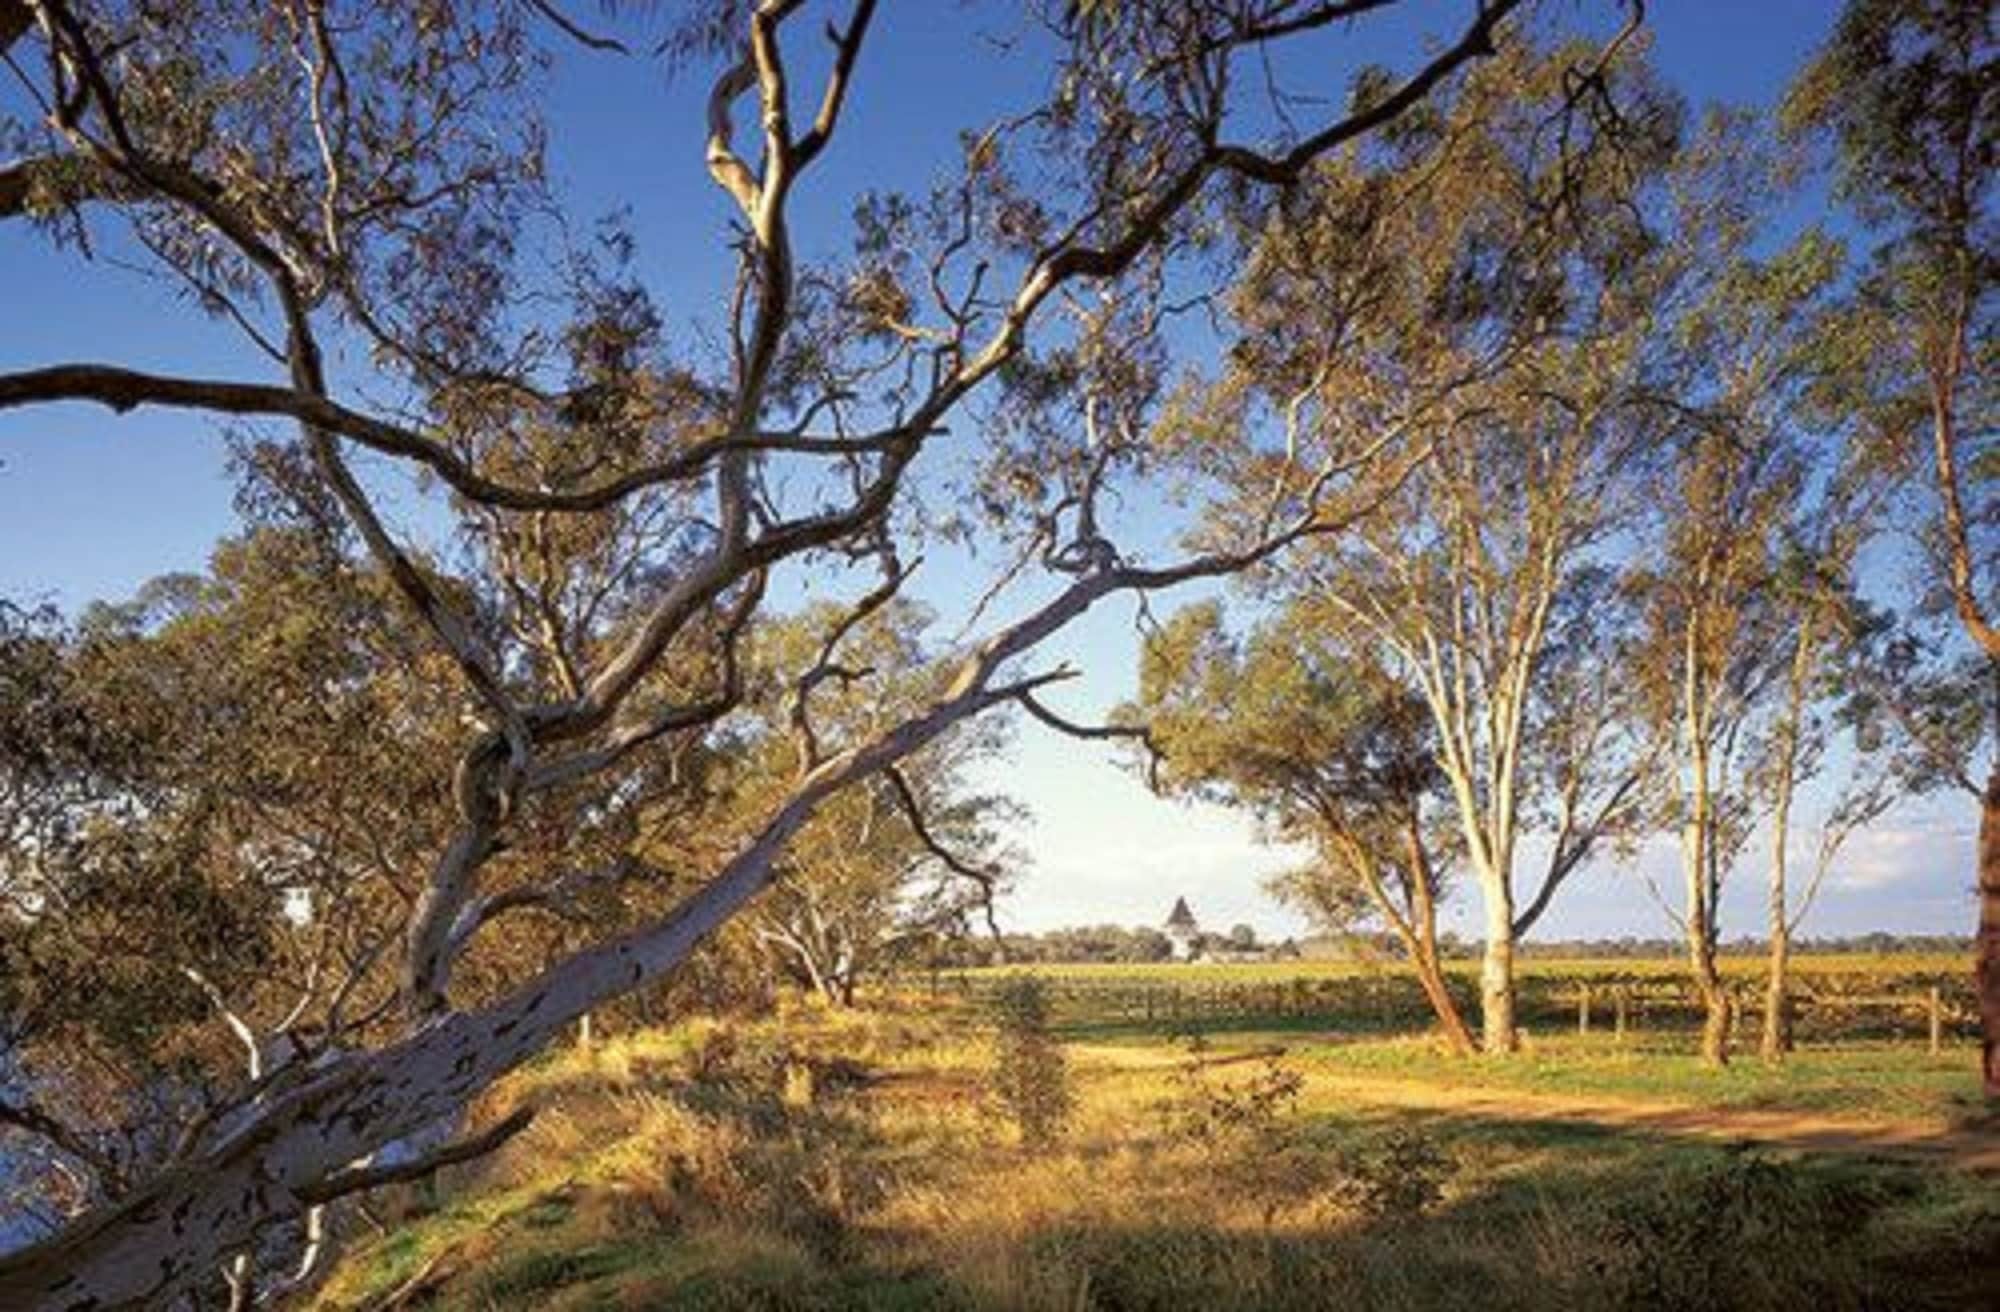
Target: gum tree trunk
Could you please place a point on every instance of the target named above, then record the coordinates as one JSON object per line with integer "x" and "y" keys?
{"x": 1718, "y": 1019}
{"x": 1777, "y": 1037}
{"x": 1430, "y": 969}
{"x": 1457, "y": 1036}
{"x": 1987, "y": 970}
{"x": 1698, "y": 857}
{"x": 1718, "y": 1011}
{"x": 1961, "y": 565}
{"x": 1496, "y": 973}
{"x": 1777, "y": 1040}
{"x": 1422, "y": 941}
{"x": 1415, "y": 927}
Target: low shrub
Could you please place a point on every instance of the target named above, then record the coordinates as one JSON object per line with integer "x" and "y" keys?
{"x": 1746, "y": 1233}
{"x": 1221, "y": 1113}
{"x": 1029, "y": 1081}
{"x": 1398, "y": 1174}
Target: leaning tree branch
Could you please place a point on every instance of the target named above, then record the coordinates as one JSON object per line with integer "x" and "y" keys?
{"x": 847, "y": 48}
{"x": 1283, "y": 170}
{"x": 1574, "y": 846}
{"x": 285, "y": 1155}
{"x": 358, "y": 1179}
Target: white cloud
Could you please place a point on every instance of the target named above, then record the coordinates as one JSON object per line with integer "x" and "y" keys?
{"x": 1893, "y": 856}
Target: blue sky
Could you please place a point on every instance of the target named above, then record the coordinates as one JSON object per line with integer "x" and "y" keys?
{"x": 91, "y": 504}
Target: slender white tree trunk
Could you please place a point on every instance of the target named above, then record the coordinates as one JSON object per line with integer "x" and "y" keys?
{"x": 1698, "y": 858}
{"x": 1498, "y": 1033}
{"x": 1777, "y": 1039}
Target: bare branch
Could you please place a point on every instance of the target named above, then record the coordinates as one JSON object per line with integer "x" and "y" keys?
{"x": 239, "y": 1027}
{"x": 358, "y": 1179}
{"x": 674, "y": 719}
{"x": 847, "y": 48}
{"x": 575, "y": 31}
{"x": 123, "y": 390}
{"x": 558, "y": 896}
{"x": 1100, "y": 732}
{"x": 799, "y": 710}
{"x": 1476, "y": 42}
{"x": 913, "y": 811}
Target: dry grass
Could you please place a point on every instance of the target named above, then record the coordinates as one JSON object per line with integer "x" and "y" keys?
{"x": 827, "y": 1161}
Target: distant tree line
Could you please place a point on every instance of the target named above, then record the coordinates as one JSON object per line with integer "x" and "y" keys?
{"x": 1142, "y": 944}
{"x": 1871, "y": 944}
{"x": 1111, "y": 944}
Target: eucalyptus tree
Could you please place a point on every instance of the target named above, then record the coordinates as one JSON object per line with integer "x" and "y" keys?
{"x": 1906, "y": 90}
{"x": 1494, "y": 311}
{"x": 1815, "y": 580}
{"x": 1778, "y": 489}
{"x": 1331, "y": 752}
{"x": 1737, "y": 616}
{"x": 62, "y": 767}
{"x": 363, "y": 195}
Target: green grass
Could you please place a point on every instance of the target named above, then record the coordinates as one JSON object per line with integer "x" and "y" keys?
{"x": 1870, "y": 1081}
{"x": 1876, "y": 1081}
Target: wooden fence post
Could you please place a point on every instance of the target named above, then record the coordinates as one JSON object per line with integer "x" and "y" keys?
{"x": 1937, "y": 1021}
{"x": 1583, "y": 1010}
{"x": 1618, "y": 1001}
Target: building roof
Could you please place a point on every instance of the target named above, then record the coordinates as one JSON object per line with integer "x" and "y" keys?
{"x": 1181, "y": 917}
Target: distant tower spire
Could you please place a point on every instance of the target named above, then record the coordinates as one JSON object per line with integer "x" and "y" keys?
{"x": 1182, "y": 928}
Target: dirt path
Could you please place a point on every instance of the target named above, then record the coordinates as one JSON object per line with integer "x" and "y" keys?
{"x": 1976, "y": 1150}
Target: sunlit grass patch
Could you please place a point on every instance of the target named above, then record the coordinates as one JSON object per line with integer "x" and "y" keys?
{"x": 1883, "y": 1081}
